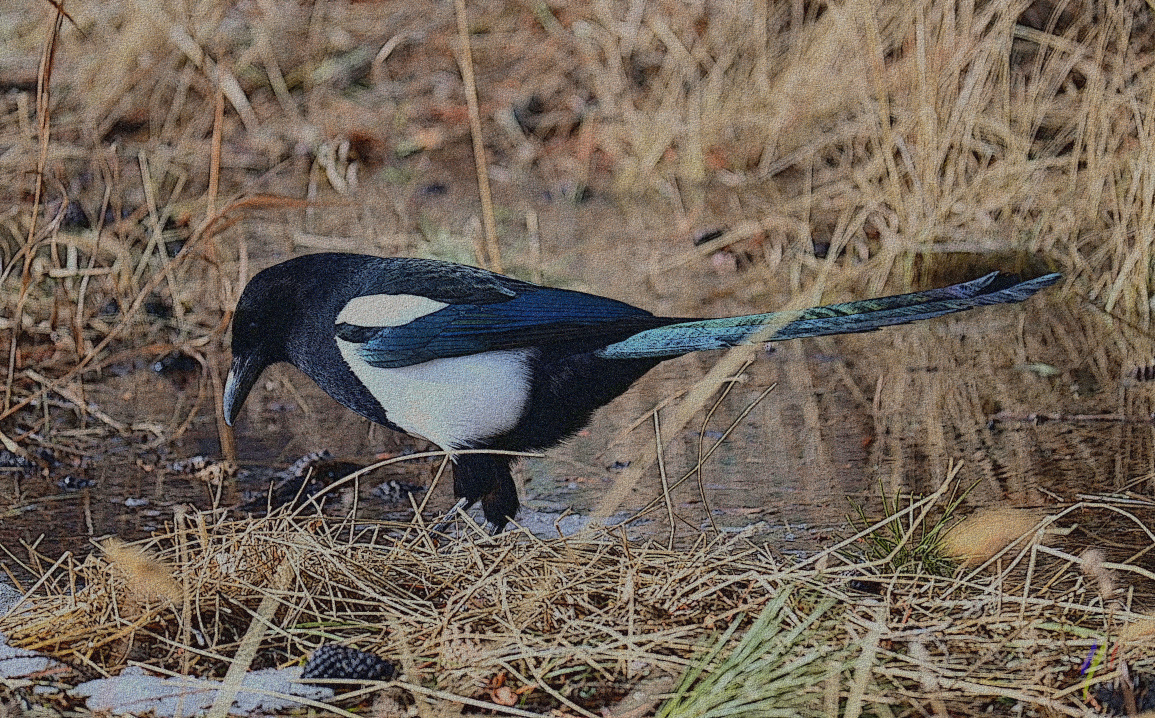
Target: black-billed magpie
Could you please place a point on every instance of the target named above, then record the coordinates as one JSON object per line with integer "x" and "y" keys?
{"x": 470, "y": 359}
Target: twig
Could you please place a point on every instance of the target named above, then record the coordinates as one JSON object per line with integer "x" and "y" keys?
{"x": 1043, "y": 417}
{"x": 44, "y": 118}
{"x": 658, "y": 449}
{"x": 465, "y": 60}
{"x": 70, "y": 395}
{"x": 250, "y": 642}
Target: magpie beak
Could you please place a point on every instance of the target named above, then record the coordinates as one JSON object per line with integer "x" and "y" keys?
{"x": 469, "y": 359}
{"x": 237, "y": 386}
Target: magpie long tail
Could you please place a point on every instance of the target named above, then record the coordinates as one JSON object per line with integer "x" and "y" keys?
{"x": 852, "y": 317}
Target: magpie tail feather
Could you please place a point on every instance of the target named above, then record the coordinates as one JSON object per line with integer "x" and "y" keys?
{"x": 848, "y": 318}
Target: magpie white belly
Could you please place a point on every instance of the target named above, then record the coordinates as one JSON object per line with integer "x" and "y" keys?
{"x": 453, "y": 402}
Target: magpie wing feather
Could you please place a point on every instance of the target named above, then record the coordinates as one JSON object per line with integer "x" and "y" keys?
{"x": 440, "y": 281}
{"x": 533, "y": 317}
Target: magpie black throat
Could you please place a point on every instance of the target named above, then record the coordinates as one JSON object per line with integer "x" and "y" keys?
{"x": 469, "y": 359}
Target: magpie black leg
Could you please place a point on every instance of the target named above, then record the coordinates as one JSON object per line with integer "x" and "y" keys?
{"x": 486, "y": 478}
{"x": 501, "y": 503}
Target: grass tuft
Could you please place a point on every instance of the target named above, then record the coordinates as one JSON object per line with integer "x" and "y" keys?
{"x": 775, "y": 668}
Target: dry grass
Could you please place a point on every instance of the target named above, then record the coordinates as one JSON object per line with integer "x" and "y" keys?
{"x": 575, "y": 624}
{"x": 979, "y": 537}
{"x": 948, "y": 130}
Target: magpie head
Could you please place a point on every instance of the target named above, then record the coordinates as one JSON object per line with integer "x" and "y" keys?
{"x": 262, "y": 324}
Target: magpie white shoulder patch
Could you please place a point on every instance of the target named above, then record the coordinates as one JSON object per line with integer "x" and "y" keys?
{"x": 452, "y": 402}
{"x": 387, "y": 310}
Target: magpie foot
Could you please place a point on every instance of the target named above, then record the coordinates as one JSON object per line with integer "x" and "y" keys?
{"x": 462, "y": 504}
{"x": 492, "y": 529}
